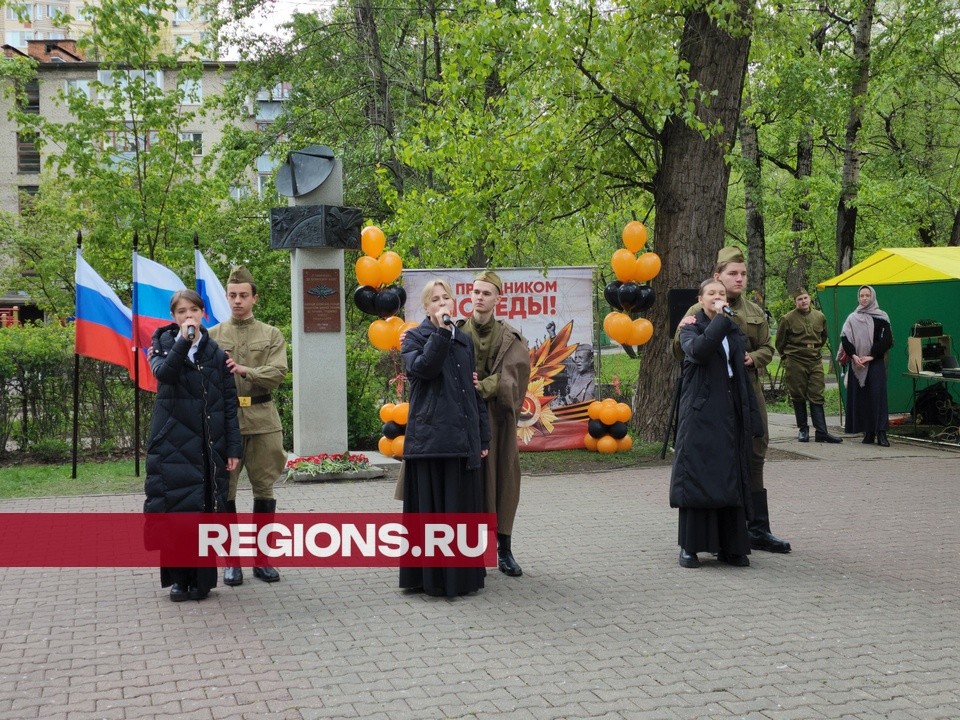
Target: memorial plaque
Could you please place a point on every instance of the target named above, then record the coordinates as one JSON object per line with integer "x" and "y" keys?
{"x": 310, "y": 226}
{"x": 321, "y": 301}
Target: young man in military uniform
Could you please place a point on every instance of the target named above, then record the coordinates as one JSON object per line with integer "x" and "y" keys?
{"x": 801, "y": 334}
{"x": 731, "y": 270}
{"x": 503, "y": 370}
{"x": 257, "y": 357}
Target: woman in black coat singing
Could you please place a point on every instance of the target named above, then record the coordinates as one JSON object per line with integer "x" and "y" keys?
{"x": 194, "y": 433}
{"x": 718, "y": 416}
{"x": 447, "y": 433}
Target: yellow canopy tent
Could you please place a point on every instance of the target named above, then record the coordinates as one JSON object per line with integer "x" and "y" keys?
{"x": 912, "y": 284}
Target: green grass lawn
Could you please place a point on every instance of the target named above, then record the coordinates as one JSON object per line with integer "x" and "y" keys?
{"x": 106, "y": 478}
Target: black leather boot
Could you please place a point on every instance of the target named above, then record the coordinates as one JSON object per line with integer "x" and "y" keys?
{"x": 820, "y": 425}
{"x": 759, "y": 528}
{"x": 882, "y": 439}
{"x": 265, "y": 508}
{"x": 232, "y": 575}
{"x": 800, "y": 410}
{"x": 505, "y": 561}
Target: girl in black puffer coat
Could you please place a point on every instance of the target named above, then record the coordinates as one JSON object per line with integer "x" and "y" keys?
{"x": 194, "y": 433}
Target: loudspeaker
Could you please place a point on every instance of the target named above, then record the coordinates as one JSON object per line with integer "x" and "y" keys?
{"x": 679, "y": 301}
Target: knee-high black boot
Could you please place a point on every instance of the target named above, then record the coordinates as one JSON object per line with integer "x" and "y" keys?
{"x": 759, "y": 528}
{"x": 800, "y": 410}
{"x": 265, "y": 508}
{"x": 232, "y": 575}
{"x": 505, "y": 561}
{"x": 820, "y": 425}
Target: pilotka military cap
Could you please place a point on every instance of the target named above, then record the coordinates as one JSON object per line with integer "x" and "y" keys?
{"x": 491, "y": 277}
{"x": 730, "y": 254}
{"x": 239, "y": 275}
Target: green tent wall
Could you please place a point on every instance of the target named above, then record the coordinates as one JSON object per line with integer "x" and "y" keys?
{"x": 912, "y": 284}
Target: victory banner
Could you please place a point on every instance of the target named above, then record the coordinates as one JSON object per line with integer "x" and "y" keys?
{"x": 553, "y": 309}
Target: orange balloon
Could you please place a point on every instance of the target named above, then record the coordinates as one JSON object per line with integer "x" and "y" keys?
{"x": 386, "y": 412}
{"x": 609, "y": 414}
{"x": 624, "y": 443}
{"x": 401, "y": 413}
{"x": 647, "y": 267}
{"x": 634, "y": 236}
{"x": 385, "y": 446}
{"x": 606, "y": 445}
{"x": 372, "y": 240}
{"x": 590, "y": 442}
{"x": 381, "y": 335}
{"x": 593, "y": 410}
{"x": 608, "y": 402}
{"x": 390, "y": 267}
{"x": 641, "y": 331}
{"x": 397, "y": 443}
{"x": 395, "y": 323}
{"x": 623, "y": 412}
{"x": 618, "y": 327}
{"x": 624, "y": 265}
{"x": 368, "y": 271}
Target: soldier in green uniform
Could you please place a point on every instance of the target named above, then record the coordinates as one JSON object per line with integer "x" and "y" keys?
{"x": 801, "y": 334}
{"x": 731, "y": 270}
{"x": 257, "y": 357}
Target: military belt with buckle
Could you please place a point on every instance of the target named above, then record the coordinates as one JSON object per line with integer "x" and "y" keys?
{"x": 248, "y": 400}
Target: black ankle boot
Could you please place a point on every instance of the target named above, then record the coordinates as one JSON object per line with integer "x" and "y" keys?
{"x": 232, "y": 575}
{"x": 882, "y": 439}
{"x": 266, "y": 509}
{"x": 867, "y": 439}
{"x": 800, "y": 411}
{"x": 820, "y": 425}
{"x": 505, "y": 561}
{"x": 758, "y": 529}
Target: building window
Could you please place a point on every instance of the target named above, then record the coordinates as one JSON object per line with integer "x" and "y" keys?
{"x": 28, "y": 157}
{"x": 20, "y": 13}
{"x": 238, "y": 192}
{"x": 192, "y": 91}
{"x": 263, "y": 182}
{"x": 122, "y": 78}
{"x": 81, "y": 87}
{"x": 196, "y": 141}
{"x": 181, "y": 15}
{"x": 31, "y": 100}
{"x": 27, "y": 197}
{"x": 18, "y": 38}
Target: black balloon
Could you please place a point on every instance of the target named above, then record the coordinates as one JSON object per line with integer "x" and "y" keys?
{"x": 618, "y": 430}
{"x": 388, "y": 302}
{"x": 402, "y": 294}
{"x": 365, "y": 298}
{"x": 611, "y": 293}
{"x": 596, "y": 429}
{"x": 629, "y": 296}
{"x": 647, "y": 298}
{"x": 392, "y": 430}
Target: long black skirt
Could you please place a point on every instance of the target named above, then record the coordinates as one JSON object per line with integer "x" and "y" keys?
{"x": 442, "y": 485}
{"x": 714, "y": 530}
{"x": 867, "y": 410}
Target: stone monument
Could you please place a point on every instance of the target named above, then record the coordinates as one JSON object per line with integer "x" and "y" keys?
{"x": 316, "y": 230}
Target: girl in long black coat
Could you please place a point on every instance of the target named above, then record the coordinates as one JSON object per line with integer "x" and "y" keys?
{"x": 194, "y": 433}
{"x": 718, "y": 416}
{"x": 447, "y": 434}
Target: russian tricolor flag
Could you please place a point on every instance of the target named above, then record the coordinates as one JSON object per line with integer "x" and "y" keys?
{"x": 103, "y": 328}
{"x": 153, "y": 288}
{"x": 211, "y": 291}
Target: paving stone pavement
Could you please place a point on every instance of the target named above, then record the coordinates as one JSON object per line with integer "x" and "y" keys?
{"x": 862, "y": 620}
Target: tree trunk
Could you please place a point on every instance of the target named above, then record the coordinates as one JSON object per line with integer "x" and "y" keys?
{"x": 753, "y": 201}
{"x": 847, "y": 205}
{"x": 798, "y": 265}
{"x": 690, "y": 195}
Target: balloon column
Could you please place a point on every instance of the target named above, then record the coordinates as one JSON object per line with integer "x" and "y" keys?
{"x": 630, "y": 293}
{"x": 376, "y": 270}
{"x": 394, "y": 426}
{"x": 607, "y": 427}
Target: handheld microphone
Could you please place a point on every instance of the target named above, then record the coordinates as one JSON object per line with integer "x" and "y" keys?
{"x": 191, "y": 333}
{"x": 446, "y": 319}
{"x": 727, "y": 311}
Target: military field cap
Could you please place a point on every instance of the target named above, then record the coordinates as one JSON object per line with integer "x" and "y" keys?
{"x": 491, "y": 277}
{"x": 730, "y": 254}
{"x": 239, "y": 275}
{"x": 798, "y": 292}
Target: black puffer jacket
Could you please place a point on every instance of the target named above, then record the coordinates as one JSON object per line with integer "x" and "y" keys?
{"x": 447, "y": 417}
{"x": 194, "y": 427}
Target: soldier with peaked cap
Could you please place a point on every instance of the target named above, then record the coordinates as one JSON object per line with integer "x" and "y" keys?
{"x": 731, "y": 270}
{"x": 801, "y": 334}
{"x": 503, "y": 370}
{"x": 257, "y": 357}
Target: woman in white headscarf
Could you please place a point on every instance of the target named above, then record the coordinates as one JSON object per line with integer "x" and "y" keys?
{"x": 866, "y": 337}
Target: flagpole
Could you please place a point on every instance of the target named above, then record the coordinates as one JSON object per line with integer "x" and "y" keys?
{"x": 76, "y": 378}
{"x": 136, "y": 364}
